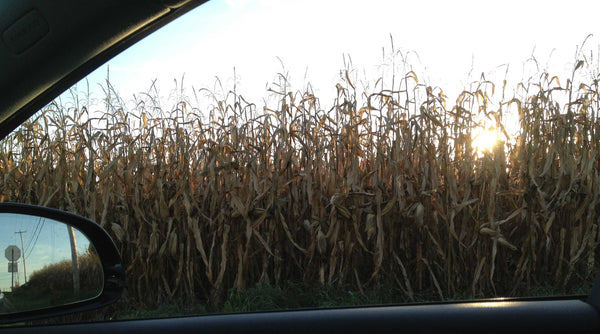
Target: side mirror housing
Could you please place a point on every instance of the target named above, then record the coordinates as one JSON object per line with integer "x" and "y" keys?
{"x": 58, "y": 263}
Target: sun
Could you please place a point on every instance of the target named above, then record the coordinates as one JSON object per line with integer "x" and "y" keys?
{"x": 484, "y": 140}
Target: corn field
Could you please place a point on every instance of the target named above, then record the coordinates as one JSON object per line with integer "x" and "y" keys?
{"x": 384, "y": 187}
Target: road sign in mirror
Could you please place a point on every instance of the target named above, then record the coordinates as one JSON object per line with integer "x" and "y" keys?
{"x": 12, "y": 253}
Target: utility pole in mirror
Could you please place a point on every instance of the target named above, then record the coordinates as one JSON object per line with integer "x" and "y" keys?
{"x": 23, "y": 248}
{"x": 74, "y": 259}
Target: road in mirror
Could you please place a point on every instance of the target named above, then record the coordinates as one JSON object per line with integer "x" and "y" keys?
{"x": 47, "y": 263}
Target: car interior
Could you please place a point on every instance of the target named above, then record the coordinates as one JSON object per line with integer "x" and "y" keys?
{"x": 47, "y": 46}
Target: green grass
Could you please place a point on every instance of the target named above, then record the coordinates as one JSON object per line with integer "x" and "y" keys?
{"x": 165, "y": 311}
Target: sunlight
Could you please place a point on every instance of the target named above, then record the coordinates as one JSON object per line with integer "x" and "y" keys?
{"x": 484, "y": 140}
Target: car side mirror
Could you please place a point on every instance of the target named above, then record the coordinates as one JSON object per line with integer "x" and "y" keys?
{"x": 56, "y": 263}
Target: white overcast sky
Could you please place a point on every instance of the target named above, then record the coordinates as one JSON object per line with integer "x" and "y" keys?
{"x": 449, "y": 43}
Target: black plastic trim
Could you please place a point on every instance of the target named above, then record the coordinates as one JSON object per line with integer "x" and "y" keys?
{"x": 114, "y": 275}
{"x": 548, "y": 316}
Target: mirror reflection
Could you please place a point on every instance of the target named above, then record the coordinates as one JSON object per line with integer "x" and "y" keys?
{"x": 47, "y": 263}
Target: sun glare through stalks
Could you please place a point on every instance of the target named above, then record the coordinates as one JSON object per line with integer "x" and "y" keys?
{"x": 484, "y": 140}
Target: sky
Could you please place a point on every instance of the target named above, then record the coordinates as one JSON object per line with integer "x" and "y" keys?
{"x": 448, "y": 43}
{"x": 45, "y": 241}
